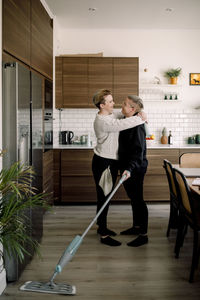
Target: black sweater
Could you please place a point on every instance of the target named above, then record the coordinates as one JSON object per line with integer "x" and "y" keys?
{"x": 132, "y": 149}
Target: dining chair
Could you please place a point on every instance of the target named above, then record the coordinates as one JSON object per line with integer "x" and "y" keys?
{"x": 189, "y": 214}
{"x": 190, "y": 160}
{"x": 174, "y": 205}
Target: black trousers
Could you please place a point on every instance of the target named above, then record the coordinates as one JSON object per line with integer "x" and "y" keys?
{"x": 134, "y": 190}
{"x": 99, "y": 164}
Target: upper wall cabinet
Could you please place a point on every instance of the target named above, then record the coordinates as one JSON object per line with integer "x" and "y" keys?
{"x": 41, "y": 39}
{"x": 16, "y": 28}
{"x": 28, "y": 34}
{"x": 100, "y": 76}
{"x": 78, "y": 78}
{"x": 125, "y": 78}
{"x": 75, "y": 84}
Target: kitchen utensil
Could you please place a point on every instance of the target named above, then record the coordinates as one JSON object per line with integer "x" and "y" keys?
{"x": 66, "y": 137}
{"x": 48, "y": 137}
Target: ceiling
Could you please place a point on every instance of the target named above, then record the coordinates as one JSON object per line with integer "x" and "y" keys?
{"x": 126, "y": 14}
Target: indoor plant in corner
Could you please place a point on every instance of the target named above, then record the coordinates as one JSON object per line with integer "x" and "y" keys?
{"x": 17, "y": 195}
{"x": 173, "y": 75}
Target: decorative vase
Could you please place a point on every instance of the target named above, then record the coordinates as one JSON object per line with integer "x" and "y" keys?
{"x": 173, "y": 80}
{"x": 191, "y": 140}
{"x": 197, "y": 138}
{"x": 164, "y": 139}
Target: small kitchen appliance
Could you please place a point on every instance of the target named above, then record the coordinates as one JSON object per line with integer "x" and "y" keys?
{"x": 66, "y": 137}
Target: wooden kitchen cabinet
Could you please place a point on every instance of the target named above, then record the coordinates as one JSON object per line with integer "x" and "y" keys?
{"x": 156, "y": 157}
{"x": 125, "y": 78}
{"x": 48, "y": 175}
{"x": 78, "y": 78}
{"x": 100, "y": 76}
{"x": 28, "y": 34}
{"x": 59, "y": 82}
{"x": 76, "y": 162}
{"x": 78, "y": 189}
{"x": 74, "y": 82}
{"x": 41, "y": 40}
{"x": 76, "y": 184}
{"x": 56, "y": 175}
{"x": 16, "y": 28}
{"x": 155, "y": 182}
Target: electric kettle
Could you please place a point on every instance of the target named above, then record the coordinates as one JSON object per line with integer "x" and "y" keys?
{"x": 66, "y": 137}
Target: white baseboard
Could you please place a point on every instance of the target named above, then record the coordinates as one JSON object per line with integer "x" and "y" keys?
{"x": 2, "y": 281}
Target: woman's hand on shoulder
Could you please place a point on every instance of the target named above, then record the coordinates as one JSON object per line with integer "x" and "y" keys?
{"x": 143, "y": 116}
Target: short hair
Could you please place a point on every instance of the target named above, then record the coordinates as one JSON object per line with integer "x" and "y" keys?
{"x": 137, "y": 100}
{"x": 99, "y": 97}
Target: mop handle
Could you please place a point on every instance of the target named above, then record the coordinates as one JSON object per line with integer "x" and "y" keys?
{"x": 102, "y": 208}
{"x": 74, "y": 245}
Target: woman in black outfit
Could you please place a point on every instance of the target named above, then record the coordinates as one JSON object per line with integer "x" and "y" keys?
{"x": 133, "y": 161}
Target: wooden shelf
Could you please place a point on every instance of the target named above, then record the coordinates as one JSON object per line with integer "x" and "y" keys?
{"x": 157, "y": 92}
{"x": 160, "y": 85}
{"x": 161, "y": 100}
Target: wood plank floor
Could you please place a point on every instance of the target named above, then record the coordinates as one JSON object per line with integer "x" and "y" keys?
{"x": 102, "y": 272}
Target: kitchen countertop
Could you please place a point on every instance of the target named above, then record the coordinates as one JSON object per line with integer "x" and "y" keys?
{"x": 152, "y": 146}
{"x": 161, "y": 146}
{"x": 73, "y": 146}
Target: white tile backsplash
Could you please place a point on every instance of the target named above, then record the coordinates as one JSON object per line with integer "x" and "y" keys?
{"x": 182, "y": 123}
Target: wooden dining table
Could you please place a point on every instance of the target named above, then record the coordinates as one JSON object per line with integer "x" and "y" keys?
{"x": 194, "y": 188}
{"x": 190, "y": 174}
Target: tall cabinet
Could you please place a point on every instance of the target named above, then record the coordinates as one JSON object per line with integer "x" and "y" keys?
{"x": 16, "y": 28}
{"x": 28, "y": 40}
{"x": 28, "y": 34}
{"x": 41, "y": 40}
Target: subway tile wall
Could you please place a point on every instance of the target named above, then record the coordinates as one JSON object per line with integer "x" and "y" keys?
{"x": 183, "y": 123}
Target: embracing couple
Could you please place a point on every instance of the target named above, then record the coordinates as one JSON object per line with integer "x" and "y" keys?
{"x": 121, "y": 145}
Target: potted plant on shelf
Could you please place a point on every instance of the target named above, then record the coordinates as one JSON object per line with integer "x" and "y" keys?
{"x": 16, "y": 196}
{"x": 173, "y": 75}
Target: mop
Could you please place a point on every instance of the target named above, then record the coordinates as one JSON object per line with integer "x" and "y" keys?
{"x": 62, "y": 288}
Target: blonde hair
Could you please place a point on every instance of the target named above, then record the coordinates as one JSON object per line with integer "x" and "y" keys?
{"x": 99, "y": 97}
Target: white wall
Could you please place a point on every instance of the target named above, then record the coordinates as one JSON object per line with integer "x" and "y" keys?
{"x": 2, "y": 271}
{"x": 157, "y": 50}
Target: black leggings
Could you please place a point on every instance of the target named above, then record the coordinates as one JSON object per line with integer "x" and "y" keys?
{"x": 99, "y": 164}
{"x": 134, "y": 190}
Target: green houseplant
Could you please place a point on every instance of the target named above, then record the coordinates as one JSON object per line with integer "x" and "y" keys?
{"x": 16, "y": 196}
{"x": 173, "y": 74}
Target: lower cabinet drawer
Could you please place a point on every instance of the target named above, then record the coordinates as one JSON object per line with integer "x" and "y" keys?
{"x": 78, "y": 189}
{"x": 73, "y": 180}
{"x": 156, "y": 188}
{"x": 82, "y": 189}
